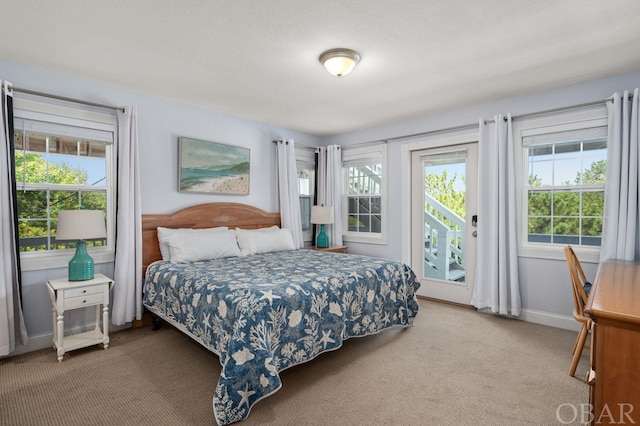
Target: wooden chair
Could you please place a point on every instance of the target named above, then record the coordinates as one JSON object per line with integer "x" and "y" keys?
{"x": 578, "y": 281}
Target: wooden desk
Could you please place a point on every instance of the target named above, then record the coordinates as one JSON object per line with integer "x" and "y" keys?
{"x": 614, "y": 305}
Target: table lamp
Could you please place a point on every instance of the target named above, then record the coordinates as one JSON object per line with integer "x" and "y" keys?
{"x": 322, "y": 215}
{"x": 80, "y": 225}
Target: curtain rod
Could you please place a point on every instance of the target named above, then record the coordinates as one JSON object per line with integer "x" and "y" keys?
{"x": 63, "y": 98}
{"x": 415, "y": 135}
{"x": 464, "y": 126}
{"x": 548, "y": 111}
{"x": 430, "y": 132}
{"x": 298, "y": 146}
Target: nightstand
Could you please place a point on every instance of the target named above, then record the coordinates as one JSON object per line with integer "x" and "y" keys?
{"x": 333, "y": 249}
{"x": 66, "y": 295}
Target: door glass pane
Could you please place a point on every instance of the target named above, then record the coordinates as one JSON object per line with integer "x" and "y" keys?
{"x": 444, "y": 216}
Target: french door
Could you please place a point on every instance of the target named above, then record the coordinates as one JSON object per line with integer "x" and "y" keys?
{"x": 444, "y": 220}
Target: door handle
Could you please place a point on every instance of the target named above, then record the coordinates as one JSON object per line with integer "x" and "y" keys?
{"x": 474, "y": 221}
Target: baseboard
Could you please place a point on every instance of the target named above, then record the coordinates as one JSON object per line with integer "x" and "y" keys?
{"x": 35, "y": 343}
{"x": 446, "y": 302}
{"x": 552, "y": 320}
{"x": 529, "y": 315}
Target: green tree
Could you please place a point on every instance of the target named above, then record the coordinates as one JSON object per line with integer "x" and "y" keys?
{"x": 566, "y": 205}
{"x": 535, "y": 181}
{"x": 33, "y": 219}
{"x": 595, "y": 174}
{"x": 32, "y": 168}
{"x": 441, "y": 187}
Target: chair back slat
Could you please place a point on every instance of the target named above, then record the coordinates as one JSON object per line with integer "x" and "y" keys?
{"x": 578, "y": 279}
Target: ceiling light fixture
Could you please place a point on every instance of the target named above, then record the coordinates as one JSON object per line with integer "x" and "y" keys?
{"x": 339, "y": 62}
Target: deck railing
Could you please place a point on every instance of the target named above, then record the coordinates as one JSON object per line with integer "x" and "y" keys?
{"x": 444, "y": 241}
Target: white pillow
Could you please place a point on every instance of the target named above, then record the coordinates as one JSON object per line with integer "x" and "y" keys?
{"x": 194, "y": 246}
{"x": 165, "y": 233}
{"x": 264, "y": 240}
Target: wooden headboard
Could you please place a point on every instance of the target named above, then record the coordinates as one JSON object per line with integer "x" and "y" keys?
{"x": 233, "y": 215}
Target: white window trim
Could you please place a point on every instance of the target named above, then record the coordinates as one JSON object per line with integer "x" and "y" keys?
{"x": 89, "y": 119}
{"x": 592, "y": 117}
{"x": 369, "y": 154}
{"x": 306, "y": 156}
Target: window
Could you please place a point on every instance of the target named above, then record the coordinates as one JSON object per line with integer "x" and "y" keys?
{"x": 364, "y": 188}
{"x": 64, "y": 161}
{"x": 563, "y": 184}
{"x": 306, "y": 167}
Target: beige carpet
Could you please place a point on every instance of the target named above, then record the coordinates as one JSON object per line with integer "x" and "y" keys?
{"x": 454, "y": 367}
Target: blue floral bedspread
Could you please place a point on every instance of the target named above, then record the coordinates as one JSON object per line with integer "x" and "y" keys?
{"x": 264, "y": 313}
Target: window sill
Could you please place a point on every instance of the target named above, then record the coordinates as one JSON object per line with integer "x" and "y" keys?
{"x": 364, "y": 240}
{"x": 556, "y": 252}
{"x": 33, "y": 262}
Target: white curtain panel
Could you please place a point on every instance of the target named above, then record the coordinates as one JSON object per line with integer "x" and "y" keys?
{"x": 288, "y": 190}
{"x": 127, "y": 289}
{"x": 496, "y": 288}
{"x": 330, "y": 188}
{"x": 621, "y": 228}
{"x": 321, "y": 177}
{"x": 12, "y": 328}
{"x": 334, "y": 192}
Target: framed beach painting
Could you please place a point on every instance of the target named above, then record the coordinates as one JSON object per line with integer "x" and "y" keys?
{"x": 211, "y": 167}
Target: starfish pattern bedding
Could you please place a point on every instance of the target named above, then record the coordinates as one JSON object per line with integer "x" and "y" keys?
{"x": 267, "y": 312}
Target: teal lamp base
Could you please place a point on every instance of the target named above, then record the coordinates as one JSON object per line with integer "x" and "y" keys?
{"x": 322, "y": 239}
{"x": 81, "y": 264}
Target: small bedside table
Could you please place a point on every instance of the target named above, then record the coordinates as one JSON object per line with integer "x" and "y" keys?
{"x": 66, "y": 295}
{"x": 333, "y": 249}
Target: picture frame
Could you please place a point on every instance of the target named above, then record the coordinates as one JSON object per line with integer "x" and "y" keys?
{"x": 212, "y": 167}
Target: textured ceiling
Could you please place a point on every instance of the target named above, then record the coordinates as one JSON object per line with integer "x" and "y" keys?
{"x": 258, "y": 59}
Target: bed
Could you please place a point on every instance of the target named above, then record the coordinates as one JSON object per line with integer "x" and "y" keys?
{"x": 266, "y": 310}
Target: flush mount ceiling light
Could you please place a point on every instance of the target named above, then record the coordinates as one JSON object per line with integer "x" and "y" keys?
{"x": 339, "y": 62}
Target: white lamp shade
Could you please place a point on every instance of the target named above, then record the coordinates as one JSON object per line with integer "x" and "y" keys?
{"x": 80, "y": 225}
{"x": 322, "y": 215}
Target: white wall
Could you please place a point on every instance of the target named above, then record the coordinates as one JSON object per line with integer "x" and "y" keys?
{"x": 160, "y": 123}
{"x": 546, "y": 296}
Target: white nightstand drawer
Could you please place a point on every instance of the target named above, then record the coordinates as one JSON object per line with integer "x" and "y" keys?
{"x": 82, "y": 291}
{"x": 86, "y": 300}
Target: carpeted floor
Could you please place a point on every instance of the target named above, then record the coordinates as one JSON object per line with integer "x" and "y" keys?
{"x": 454, "y": 367}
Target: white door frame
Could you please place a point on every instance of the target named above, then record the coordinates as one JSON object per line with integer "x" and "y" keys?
{"x": 435, "y": 141}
